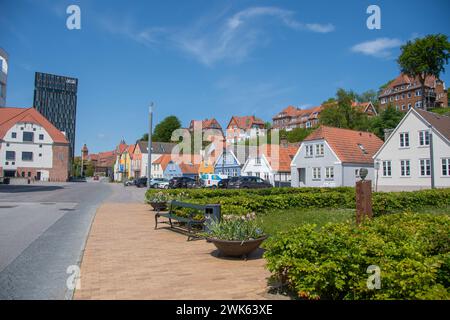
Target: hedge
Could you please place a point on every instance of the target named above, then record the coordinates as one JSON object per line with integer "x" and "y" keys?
{"x": 262, "y": 200}
{"x": 412, "y": 252}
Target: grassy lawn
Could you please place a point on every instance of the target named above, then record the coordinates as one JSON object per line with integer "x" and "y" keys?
{"x": 283, "y": 220}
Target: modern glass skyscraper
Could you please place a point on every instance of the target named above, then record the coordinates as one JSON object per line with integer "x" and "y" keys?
{"x": 55, "y": 97}
{"x": 3, "y": 76}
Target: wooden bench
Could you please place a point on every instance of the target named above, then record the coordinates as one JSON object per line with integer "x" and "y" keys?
{"x": 208, "y": 210}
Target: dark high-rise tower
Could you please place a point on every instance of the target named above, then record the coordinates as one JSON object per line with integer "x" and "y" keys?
{"x": 55, "y": 97}
{"x": 3, "y": 76}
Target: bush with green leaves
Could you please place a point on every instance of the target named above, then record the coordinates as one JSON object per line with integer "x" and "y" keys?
{"x": 237, "y": 201}
{"x": 411, "y": 250}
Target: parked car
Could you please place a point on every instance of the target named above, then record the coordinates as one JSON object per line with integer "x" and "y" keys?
{"x": 182, "y": 182}
{"x": 157, "y": 182}
{"x": 247, "y": 182}
{"x": 77, "y": 179}
{"x": 211, "y": 180}
{"x": 141, "y": 182}
{"x": 162, "y": 184}
{"x": 130, "y": 182}
{"x": 223, "y": 184}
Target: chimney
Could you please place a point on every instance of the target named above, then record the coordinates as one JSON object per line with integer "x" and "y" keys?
{"x": 387, "y": 133}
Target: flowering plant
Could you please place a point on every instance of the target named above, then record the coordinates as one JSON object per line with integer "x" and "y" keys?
{"x": 235, "y": 228}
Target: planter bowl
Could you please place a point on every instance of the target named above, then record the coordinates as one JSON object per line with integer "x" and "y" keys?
{"x": 159, "y": 206}
{"x": 236, "y": 248}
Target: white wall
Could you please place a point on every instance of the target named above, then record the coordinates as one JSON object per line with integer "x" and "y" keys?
{"x": 42, "y": 149}
{"x": 155, "y": 172}
{"x": 392, "y": 151}
{"x": 262, "y": 169}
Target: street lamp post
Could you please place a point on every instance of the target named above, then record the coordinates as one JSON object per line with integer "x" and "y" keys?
{"x": 149, "y": 155}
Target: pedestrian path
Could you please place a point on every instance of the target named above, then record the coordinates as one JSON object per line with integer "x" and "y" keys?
{"x": 125, "y": 258}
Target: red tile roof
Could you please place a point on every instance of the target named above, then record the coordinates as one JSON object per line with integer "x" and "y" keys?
{"x": 440, "y": 122}
{"x": 349, "y": 145}
{"x": 403, "y": 79}
{"x": 10, "y": 116}
{"x": 207, "y": 124}
{"x": 163, "y": 160}
{"x": 279, "y": 156}
{"x": 245, "y": 122}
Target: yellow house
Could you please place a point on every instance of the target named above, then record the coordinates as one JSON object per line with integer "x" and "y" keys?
{"x": 207, "y": 165}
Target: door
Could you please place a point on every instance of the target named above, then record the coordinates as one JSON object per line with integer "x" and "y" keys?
{"x": 38, "y": 175}
{"x": 301, "y": 177}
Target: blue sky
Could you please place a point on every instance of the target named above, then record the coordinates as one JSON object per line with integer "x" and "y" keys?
{"x": 204, "y": 58}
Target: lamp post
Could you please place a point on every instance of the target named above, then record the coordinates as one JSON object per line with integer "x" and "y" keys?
{"x": 149, "y": 154}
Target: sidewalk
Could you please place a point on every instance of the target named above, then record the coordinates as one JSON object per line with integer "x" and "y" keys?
{"x": 125, "y": 258}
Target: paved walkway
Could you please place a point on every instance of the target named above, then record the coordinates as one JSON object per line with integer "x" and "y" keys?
{"x": 125, "y": 258}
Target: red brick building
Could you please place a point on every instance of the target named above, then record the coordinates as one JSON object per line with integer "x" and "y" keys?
{"x": 405, "y": 93}
{"x": 292, "y": 117}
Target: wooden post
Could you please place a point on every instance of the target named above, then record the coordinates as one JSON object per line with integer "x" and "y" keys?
{"x": 363, "y": 200}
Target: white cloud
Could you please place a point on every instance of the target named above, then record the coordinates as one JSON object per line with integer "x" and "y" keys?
{"x": 235, "y": 37}
{"x": 380, "y": 48}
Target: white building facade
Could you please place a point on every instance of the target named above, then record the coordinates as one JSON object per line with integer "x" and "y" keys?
{"x": 404, "y": 160}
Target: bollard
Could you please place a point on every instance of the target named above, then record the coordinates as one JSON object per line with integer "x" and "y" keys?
{"x": 212, "y": 213}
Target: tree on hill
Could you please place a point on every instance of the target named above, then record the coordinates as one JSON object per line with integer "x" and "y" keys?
{"x": 341, "y": 114}
{"x": 388, "y": 118}
{"x": 163, "y": 130}
{"x": 424, "y": 57}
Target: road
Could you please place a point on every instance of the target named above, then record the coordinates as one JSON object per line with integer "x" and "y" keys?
{"x": 43, "y": 231}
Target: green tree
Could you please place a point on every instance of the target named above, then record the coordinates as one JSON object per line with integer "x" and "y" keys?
{"x": 389, "y": 118}
{"x": 163, "y": 130}
{"x": 89, "y": 169}
{"x": 424, "y": 57}
{"x": 341, "y": 114}
{"x": 296, "y": 134}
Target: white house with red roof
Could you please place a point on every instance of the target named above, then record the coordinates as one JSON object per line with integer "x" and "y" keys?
{"x": 271, "y": 162}
{"x": 404, "y": 160}
{"x": 333, "y": 157}
{"x": 31, "y": 147}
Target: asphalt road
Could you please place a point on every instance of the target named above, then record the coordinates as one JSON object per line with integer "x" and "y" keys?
{"x": 43, "y": 231}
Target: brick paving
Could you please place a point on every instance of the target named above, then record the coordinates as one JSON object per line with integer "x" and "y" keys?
{"x": 125, "y": 258}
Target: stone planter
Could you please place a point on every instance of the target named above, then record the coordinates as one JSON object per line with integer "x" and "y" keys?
{"x": 159, "y": 206}
{"x": 237, "y": 248}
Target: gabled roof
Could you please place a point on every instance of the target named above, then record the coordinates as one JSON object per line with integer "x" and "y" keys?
{"x": 245, "y": 122}
{"x": 163, "y": 160}
{"x": 157, "y": 147}
{"x": 403, "y": 79}
{"x": 10, "y": 116}
{"x": 279, "y": 156}
{"x": 189, "y": 168}
{"x": 440, "y": 122}
{"x": 350, "y": 146}
{"x": 207, "y": 124}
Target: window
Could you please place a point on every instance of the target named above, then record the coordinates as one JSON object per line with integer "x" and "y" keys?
{"x": 409, "y": 106}
{"x": 418, "y": 104}
{"x": 319, "y": 149}
{"x": 424, "y": 138}
{"x": 409, "y": 94}
{"x": 396, "y": 97}
{"x": 362, "y": 148}
{"x": 41, "y": 137}
{"x": 425, "y": 169}
{"x": 10, "y": 155}
{"x": 403, "y": 107}
{"x": 446, "y": 167}
{"x": 27, "y": 156}
{"x": 28, "y": 136}
{"x": 258, "y": 160}
{"x": 418, "y": 93}
{"x": 14, "y": 135}
{"x": 405, "y": 168}
{"x": 356, "y": 173}
{"x": 309, "y": 150}
{"x": 404, "y": 140}
{"x": 387, "y": 168}
{"x": 316, "y": 173}
{"x": 329, "y": 173}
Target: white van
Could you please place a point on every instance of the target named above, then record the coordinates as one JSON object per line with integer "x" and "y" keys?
{"x": 211, "y": 180}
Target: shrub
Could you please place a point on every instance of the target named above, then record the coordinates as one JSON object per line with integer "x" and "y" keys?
{"x": 237, "y": 201}
{"x": 411, "y": 250}
{"x": 234, "y": 228}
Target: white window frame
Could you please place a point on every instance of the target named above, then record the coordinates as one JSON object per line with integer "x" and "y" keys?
{"x": 329, "y": 173}
{"x": 445, "y": 167}
{"x": 424, "y": 167}
{"x": 405, "y": 168}
{"x": 316, "y": 173}
{"x": 309, "y": 150}
{"x": 404, "y": 139}
{"x": 320, "y": 150}
{"x": 387, "y": 168}
{"x": 424, "y": 137}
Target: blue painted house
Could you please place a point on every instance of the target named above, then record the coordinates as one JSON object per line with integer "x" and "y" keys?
{"x": 231, "y": 164}
{"x": 171, "y": 169}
